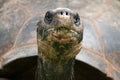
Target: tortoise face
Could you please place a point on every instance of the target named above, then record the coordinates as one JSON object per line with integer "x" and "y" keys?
{"x": 62, "y": 25}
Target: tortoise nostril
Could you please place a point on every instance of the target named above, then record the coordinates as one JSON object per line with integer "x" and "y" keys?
{"x": 61, "y": 13}
{"x": 66, "y": 13}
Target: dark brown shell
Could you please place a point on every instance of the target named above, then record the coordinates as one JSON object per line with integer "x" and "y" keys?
{"x": 101, "y": 42}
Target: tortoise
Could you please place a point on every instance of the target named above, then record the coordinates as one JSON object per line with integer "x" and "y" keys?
{"x": 99, "y": 56}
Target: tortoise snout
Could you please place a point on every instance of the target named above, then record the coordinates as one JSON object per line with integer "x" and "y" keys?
{"x": 57, "y": 16}
{"x": 64, "y": 14}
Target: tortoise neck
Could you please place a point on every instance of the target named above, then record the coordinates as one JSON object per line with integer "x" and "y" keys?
{"x": 55, "y": 70}
{"x": 54, "y": 64}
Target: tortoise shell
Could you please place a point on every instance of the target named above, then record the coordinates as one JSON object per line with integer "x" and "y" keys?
{"x": 99, "y": 57}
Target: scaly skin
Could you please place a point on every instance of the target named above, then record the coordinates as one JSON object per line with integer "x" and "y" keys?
{"x": 59, "y": 38}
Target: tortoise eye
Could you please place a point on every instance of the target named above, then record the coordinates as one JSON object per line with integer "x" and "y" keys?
{"x": 48, "y": 17}
{"x": 77, "y": 19}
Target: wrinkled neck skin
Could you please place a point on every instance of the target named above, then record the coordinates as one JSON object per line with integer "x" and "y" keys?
{"x": 56, "y": 60}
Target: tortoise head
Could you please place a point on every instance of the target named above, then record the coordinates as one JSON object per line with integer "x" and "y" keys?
{"x": 61, "y": 25}
{"x": 59, "y": 37}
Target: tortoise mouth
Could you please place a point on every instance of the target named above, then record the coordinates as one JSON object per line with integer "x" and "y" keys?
{"x": 63, "y": 34}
